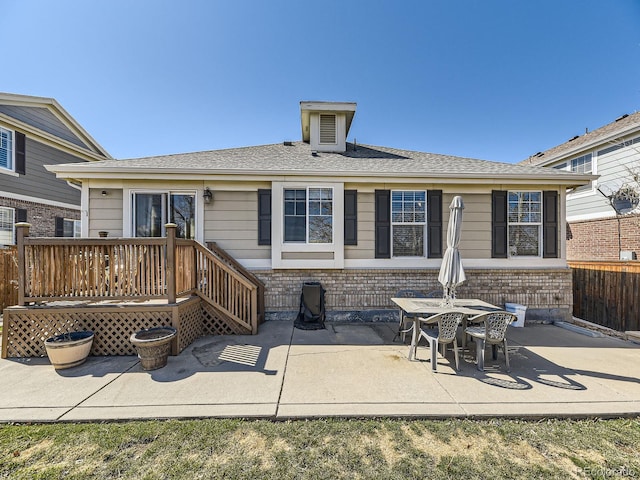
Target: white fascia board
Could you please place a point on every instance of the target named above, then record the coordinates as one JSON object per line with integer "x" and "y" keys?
{"x": 71, "y": 171}
{"x": 51, "y": 140}
{"x": 591, "y": 216}
{"x": 593, "y": 145}
{"x": 316, "y": 106}
{"x": 52, "y": 105}
{"x": 42, "y": 201}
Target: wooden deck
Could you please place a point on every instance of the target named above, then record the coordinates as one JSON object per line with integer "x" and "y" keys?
{"x": 116, "y": 287}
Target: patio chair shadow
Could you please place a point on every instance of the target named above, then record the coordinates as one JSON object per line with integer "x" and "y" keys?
{"x": 528, "y": 368}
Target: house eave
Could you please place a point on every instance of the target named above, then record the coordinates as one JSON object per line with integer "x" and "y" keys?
{"x": 68, "y": 172}
{"x": 52, "y": 104}
{"x": 53, "y": 141}
{"x": 594, "y": 144}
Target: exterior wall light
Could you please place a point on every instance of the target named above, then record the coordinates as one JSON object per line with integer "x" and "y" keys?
{"x": 207, "y": 195}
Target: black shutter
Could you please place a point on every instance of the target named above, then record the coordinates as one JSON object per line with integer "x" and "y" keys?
{"x": 550, "y": 224}
{"x": 264, "y": 217}
{"x": 350, "y": 217}
{"x": 21, "y": 215}
{"x": 59, "y": 227}
{"x": 498, "y": 224}
{"x": 21, "y": 153}
{"x": 434, "y": 223}
{"x": 383, "y": 223}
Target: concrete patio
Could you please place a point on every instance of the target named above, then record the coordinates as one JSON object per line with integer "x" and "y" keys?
{"x": 347, "y": 370}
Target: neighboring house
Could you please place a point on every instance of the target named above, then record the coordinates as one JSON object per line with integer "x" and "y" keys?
{"x": 603, "y": 218}
{"x": 363, "y": 220}
{"x": 35, "y": 132}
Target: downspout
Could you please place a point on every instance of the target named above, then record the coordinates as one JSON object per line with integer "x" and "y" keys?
{"x": 610, "y": 201}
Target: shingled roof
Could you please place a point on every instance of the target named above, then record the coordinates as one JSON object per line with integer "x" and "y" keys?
{"x": 297, "y": 158}
{"x": 623, "y": 125}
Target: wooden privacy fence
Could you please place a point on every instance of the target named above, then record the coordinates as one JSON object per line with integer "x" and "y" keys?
{"x": 51, "y": 269}
{"x": 8, "y": 277}
{"x": 606, "y": 293}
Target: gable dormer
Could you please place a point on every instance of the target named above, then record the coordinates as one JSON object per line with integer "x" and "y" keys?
{"x": 325, "y": 125}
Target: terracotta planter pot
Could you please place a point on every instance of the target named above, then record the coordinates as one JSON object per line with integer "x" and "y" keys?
{"x": 153, "y": 346}
{"x": 69, "y": 349}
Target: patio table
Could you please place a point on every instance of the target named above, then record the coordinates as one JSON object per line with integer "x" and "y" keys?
{"x": 421, "y": 309}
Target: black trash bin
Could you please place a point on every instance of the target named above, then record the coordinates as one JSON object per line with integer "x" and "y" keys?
{"x": 311, "y": 315}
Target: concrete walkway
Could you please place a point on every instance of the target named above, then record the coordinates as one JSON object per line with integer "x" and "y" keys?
{"x": 350, "y": 370}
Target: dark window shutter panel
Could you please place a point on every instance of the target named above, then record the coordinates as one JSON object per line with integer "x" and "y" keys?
{"x": 350, "y": 217}
{"x": 499, "y": 224}
{"x": 21, "y": 153}
{"x": 264, "y": 217}
{"x": 550, "y": 224}
{"x": 59, "y": 227}
{"x": 383, "y": 223}
{"x": 434, "y": 223}
{"x": 21, "y": 215}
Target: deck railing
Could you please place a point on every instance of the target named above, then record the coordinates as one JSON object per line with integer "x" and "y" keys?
{"x": 53, "y": 269}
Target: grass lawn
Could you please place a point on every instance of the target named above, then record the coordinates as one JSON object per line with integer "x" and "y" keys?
{"x": 324, "y": 449}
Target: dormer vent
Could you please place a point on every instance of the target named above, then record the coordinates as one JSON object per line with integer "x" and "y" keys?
{"x": 621, "y": 117}
{"x": 325, "y": 125}
{"x": 573, "y": 138}
{"x": 328, "y": 129}
{"x": 288, "y": 143}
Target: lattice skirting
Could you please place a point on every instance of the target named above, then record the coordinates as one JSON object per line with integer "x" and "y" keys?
{"x": 215, "y": 324}
{"x": 26, "y": 328}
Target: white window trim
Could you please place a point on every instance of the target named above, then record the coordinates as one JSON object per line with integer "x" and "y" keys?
{"x": 12, "y": 154}
{"x": 594, "y": 171}
{"x": 424, "y": 226}
{"x": 279, "y": 246}
{"x": 13, "y": 226}
{"x": 539, "y": 224}
{"x": 128, "y": 206}
{"x": 308, "y": 215}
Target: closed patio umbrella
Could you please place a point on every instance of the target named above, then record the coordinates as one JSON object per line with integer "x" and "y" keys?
{"x": 451, "y": 271}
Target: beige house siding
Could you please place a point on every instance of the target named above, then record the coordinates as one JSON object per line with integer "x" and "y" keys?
{"x": 475, "y": 240}
{"x": 366, "y": 229}
{"x": 105, "y": 211}
{"x": 231, "y": 220}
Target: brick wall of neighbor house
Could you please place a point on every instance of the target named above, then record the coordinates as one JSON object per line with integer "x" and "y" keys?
{"x": 598, "y": 239}
{"x": 40, "y": 216}
{"x": 546, "y": 292}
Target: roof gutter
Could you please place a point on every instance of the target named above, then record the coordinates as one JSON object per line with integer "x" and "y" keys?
{"x": 200, "y": 174}
{"x": 595, "y": 142}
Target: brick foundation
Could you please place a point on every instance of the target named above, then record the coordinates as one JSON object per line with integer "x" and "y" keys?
{"x": 547, "y": 293}
{"x": 598, "y": 239}
{"x": 40, "y": 216}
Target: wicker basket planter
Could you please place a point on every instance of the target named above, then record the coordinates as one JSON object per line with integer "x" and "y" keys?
{"x": 153, "y": 346}
{"x": 69, "y": 349}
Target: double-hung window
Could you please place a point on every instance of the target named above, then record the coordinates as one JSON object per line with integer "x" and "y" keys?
{"x": 524, "y": 223}
{"x": 7, "y": 216}
{"x": 408, "y": 221}
{"x": 151, "y": 211}
{"x": 6, "y": 149}
{"x": 308, "y": 215}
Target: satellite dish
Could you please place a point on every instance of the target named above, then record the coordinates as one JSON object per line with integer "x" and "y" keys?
{"x": 625, "y": 200}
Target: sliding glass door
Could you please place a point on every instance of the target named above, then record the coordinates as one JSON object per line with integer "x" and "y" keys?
{"x": 151, "y": 211}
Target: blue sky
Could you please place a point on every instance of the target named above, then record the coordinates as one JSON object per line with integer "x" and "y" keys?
{"x": 491, "y": 79}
